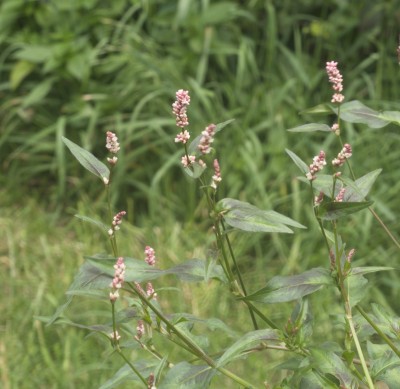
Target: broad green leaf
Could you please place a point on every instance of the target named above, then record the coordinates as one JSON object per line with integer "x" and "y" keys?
{"x": 356, "y": 112}
{"x": 34, "y": 53}
{"x": 97, "y": 223}
{"x": 391, "y": 116}
{"x": 311, "y": 127}
{"x": 383, "y": 359}
{"x": 289, "y": 288}
{"x": 88, "y": 160}
{"x": 186, "y": 376}
{"x": 196, "y": 141}
{"x": 19, "y": 71}
{"x": 391, "y": 378}
{"x": 247, "y": 217}
{"x": 249, "y": 340}
{"x": 329, "y": 363}
{"x": 356, "y": 285}
{"x": 334, "y": 210}
{"x": 301, "y": 318}
{"x": 359, "y": 189}
{"x": 125, "y": 374}
{"x": 298, "y": 161}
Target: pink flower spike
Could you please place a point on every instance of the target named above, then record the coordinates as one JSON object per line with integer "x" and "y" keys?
{"x": 188, "y": 161}
{"x": 207, "y": 139}
{"x": 118, "y": 280}
{"x": 339, "y": 198}
{"x": 336, "y": 79}
{"x": 112, "y": 144}
{"x": 182, "y": 137}
{"x": 150, "y": 256}
{"x": 216, "y": 178}
{"x": 344, "y": 154}
{"x": 318, "y": 164}
{"x": 150, "y": 291}
{"x": 179, "y": 108}
{"x": 139, "y": 330}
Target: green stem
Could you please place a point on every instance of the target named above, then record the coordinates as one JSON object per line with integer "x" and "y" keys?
{"x": 253, "y": 318}
{"x": 137, "y": 372}
{"x": 379, "y": 331}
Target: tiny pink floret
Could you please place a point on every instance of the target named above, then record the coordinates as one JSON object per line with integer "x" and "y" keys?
{"x": 150, "y": 256}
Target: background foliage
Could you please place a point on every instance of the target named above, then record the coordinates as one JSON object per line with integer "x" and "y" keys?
{"x": 78, "y": 69}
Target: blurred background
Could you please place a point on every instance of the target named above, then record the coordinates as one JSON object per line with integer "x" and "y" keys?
{"x": 80, "y": 68}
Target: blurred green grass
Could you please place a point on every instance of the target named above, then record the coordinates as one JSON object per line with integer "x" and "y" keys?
{"x": 65, "y": 74}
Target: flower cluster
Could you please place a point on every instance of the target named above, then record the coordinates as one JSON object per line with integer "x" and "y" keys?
{"x": 318, "y": 164}
{"x": 118, "y": 279}
{"x": 336, "y": 79}
{"x": 150, "y": 256}
{"x": 216, "y": 178}
{"x": 207, "y": 139}
{"x": 318, "y": 199}
{"x": 179, "y": 108}
{"x": 182, "y": 137}
{"x": 335, "y": 128}
{"x": 112, "y": 146}
{"x": 117, "y": 220}
{"x": 139, "y": 330}
{"x": 344, "y": 154}
{"x": 187, "y": 160}
{"x": 340, "y": 196}
{"x": 350, "y": 255}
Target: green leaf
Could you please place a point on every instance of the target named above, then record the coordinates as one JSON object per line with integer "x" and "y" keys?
{"x": 187, "y": 376}
{"x": 359, "y": 189}
{"x": 329, "y": 363}
{"x": 311, "y": 127}
{"x": 34, "y": 53}
{"x": 195, "y": 170}
{"x": 289, "y": 288}
{"x": 249, "y": 340}
{"x": 383, "y": 359}
{"x": 19, "y": 71}
{"x": 334, "y": 210}
{"x": 193, "y": 147}
{"x": 369, "y": 269}
{"x": 298, "y": 161}
{"x": 391, "y": 116}
{"x": 247, "y": 217}
{"x": 356, "y": 112}
{"x": 356, "y": 284}
{"x": 88, "y": 160}
{"x": 97, "y": 223}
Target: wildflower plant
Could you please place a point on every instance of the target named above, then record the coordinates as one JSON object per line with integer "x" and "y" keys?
{"x": 132, "y": 286}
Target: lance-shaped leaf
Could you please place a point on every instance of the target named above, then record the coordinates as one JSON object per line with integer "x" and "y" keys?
{"x": 298, "y": 161}
{"x": 187, "y": 376}
{"x": 289, "y": 288}
{"x": 391, "y": 116}
{"x": 88, "y": 160}
{"x": 311, "y": 127}
{"x": 334, "y": 210}
{"x": 320, "y": 109}
{"x": 247, "y": 217}
{"x": 251, "y": 339}
{"x": 359, "y": 189}
{"x": 97, "y": 223}
{"x": 357, "y": 112}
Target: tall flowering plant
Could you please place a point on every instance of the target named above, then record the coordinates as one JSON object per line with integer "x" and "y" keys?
{"x": 137, "y": 309}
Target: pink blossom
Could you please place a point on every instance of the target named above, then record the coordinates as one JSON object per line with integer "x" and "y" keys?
{"x": 150, "y": 256}
{"x": 118, "y": 279}
{"x": 344, "y": 154}
{"x": 117, "y": 220}
{"x": 335, "y": 128}
{"x": 350, "y": 255}
{"x": 340, "y": 196}
{"x": 336, "y": 79}
{"x": 216, "y": 178}
{"x": 207, "y": 139}
{"x": 318, "y": 199}
{"x": 318, "y": 164}
{"x": 186, "y": 161}
{"x": 115, "y": 336}
{"x": 139, "y": 330}
{"x": 182, "y": 137}
{"x": 150, "y": 290}
{"x": 112, "y": 142}
{"x": 179, "y": 108}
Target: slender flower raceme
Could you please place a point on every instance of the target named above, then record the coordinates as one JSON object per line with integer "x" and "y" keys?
{"x": 179, "y": 108}
{"x": 112, "y": 146}
{"x": 150, "y": 256}
{"x": 336, "y": 79}
{"x": 139, "y": 330}
{"x": 188, "y": 160}
{"x": 318, "y": 164}
{"x": 344, "y": 154}
{"x": 207, "y": 139}
{"x": 117, "y": 220}
{"x": 216, "y": 178}
{"x": 340, "y": 196}
{"x": 118, "y": 280}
